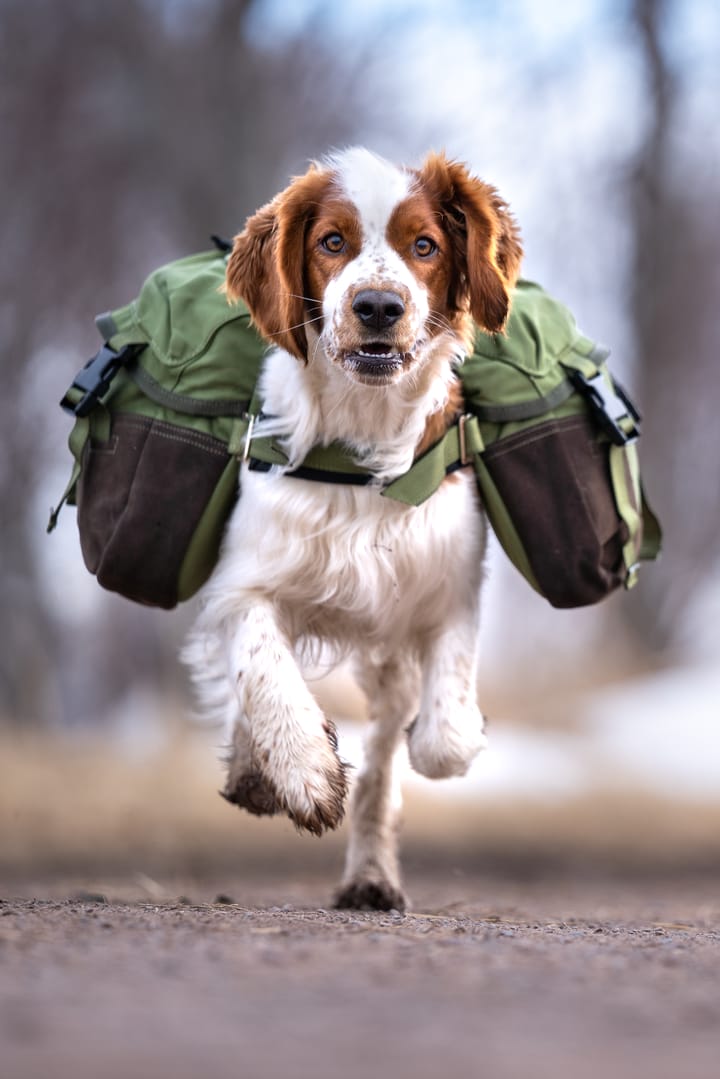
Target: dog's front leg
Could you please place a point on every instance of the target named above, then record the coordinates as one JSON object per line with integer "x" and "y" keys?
{"x": 448, "y": 732}
{"x": 289, "y": 745}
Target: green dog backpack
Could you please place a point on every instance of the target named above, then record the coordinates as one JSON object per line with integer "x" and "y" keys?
{"x": 164, "y": 415}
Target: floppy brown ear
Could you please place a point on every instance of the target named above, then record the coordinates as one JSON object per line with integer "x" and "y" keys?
{"x": 486, "y": 236}
{"x": 266, "y": 266}
{"x": 251, "y": 272}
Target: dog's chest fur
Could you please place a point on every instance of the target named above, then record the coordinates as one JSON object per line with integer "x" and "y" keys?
{"x": 344, "y": 565}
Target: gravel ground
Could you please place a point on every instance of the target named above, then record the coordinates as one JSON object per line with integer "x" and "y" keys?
{"x": 486, "y": 976}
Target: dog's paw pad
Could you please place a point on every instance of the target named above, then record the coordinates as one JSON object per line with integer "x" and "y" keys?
{"x": 370, "y": 895}
{"x": 254, "y": 793}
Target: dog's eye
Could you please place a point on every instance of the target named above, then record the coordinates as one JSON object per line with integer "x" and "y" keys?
{"x": 424, "y": 247}
{"x": 333, "y": 242}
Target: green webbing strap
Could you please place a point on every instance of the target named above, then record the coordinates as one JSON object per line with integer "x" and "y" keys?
{"x": 179, "y": 402}
{"x": 78, "y": 437}
{"x": 645, "y": 542}
{"x": 106, "y": 324}
{"x": 458, "y": 446}
{"x": 624, "y": 472}
{"x": 95, "y": 424}
{"x": 525, "y": 410}
{"x": 335, "y": 458}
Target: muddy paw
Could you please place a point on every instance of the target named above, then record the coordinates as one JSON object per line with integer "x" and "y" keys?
{"x": 369, "y": 895}
{"x": 316, "y": 803}
{"x": 255, "y": 793}
{"x": 296, "y": 772}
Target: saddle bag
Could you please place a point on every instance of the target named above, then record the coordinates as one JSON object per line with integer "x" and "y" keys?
{"x": 164, "y": 415}
{"x": 158, "y": 413}
{"x": 555, "y": 454}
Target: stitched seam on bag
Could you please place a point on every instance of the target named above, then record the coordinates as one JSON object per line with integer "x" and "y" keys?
{"x": 522, "y": 439}
{"x": 123, "y": 513}
{"x": 195, "y": 443}
{"x": 108, "y": 447}
{"x": 196, "y": 439}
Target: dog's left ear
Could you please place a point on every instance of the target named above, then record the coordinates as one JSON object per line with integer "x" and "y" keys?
{"x": 485, "y": 234}
{"x": 266, "y": 267}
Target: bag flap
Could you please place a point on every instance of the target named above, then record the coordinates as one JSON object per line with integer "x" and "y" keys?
{"x": 199, "y": 343}
{"x": 525, "y": 361}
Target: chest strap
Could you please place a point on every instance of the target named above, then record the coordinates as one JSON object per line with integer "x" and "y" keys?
{"x": 335, "y": 464}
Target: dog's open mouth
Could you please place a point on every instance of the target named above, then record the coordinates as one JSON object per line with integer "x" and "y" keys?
{"x": 374, "y": 361}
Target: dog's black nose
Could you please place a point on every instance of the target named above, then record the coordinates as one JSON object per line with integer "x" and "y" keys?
{"x": 378, "y": 310}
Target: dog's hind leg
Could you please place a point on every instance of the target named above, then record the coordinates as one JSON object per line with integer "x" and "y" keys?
{"x": 372, "y": 877}
{"x": 290, "y": 745}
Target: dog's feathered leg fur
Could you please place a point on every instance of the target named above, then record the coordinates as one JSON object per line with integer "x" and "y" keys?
{"x": 448, "y": 732}
{"x": 291, "y": 747}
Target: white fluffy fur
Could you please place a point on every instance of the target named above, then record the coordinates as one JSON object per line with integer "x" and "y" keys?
{"x": 308, "y": 565}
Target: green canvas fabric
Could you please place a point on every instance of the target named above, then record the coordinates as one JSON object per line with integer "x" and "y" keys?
{"x": 565, "y": 502}
{"x": 157, "y": 457}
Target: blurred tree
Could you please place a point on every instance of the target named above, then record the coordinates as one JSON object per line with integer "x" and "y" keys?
{"x": 675, "y": 276}
{"x": 130, "y": 132}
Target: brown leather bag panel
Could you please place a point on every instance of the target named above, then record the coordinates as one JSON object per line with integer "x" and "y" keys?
{"x": 554, "y": 480}
{"x": 140, "y": 497}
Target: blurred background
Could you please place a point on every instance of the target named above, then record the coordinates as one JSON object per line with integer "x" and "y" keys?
{"x": 129, "y": 132}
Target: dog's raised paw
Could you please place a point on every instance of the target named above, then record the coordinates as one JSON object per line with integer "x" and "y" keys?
{"x": 308, "y": 778}
{"x": 369, "y": 895}
{"x": 443, "y": 746}
{"x": 254, "y": 793}
{"x": 320, "y": 805}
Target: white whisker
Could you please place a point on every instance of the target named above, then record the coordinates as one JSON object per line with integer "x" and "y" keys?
{"x": 288, "y": 329}
{"x": 308, "y": 299}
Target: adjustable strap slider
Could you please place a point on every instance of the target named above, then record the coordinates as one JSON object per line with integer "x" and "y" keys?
{"x": 248, "y": 436}
{"x": 465, "y": 457}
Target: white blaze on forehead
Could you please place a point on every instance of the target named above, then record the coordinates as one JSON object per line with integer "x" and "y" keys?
{"x": 373, "y": 185}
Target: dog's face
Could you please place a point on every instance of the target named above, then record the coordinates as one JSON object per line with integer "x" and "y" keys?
{"x": 378, "y": 261}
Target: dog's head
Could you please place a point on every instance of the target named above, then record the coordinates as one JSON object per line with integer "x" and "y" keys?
{"x": 378, "y": 261}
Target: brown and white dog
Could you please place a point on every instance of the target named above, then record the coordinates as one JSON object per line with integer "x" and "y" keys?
{"x": 366, "y": 279}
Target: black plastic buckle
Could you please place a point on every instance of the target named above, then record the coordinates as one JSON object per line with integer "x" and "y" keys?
{"x": 95, "y": 378}
{"x": 609, "y": 405}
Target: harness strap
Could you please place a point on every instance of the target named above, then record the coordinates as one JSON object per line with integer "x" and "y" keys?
{"x": 335, "y": 464}
{"x": 456, "y": 448}
{"x": 96, "y": 424}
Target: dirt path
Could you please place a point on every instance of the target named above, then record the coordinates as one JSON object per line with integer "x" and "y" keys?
{"x": 487, "y": 977}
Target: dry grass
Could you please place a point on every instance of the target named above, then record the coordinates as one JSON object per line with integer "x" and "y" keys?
{"x": 74, "y": 805}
